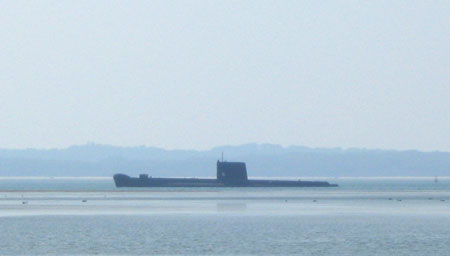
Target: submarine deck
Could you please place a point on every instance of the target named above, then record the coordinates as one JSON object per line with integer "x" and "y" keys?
{"x": 126, "y": 181}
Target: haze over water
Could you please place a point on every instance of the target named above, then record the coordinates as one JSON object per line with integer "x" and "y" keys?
{"x": 158, "y": 85}
{"x": 85, "y": 216}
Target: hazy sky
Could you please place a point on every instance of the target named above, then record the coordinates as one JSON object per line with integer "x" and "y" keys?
{"x": 197, "y": 74}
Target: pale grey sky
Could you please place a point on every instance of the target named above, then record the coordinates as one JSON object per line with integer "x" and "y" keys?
{"x": 197, "y": 74}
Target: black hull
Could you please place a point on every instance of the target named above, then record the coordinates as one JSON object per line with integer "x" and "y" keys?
{"x": 122, "y": 180}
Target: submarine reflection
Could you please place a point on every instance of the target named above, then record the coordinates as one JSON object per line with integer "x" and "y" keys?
{"x": 231, "y": 207}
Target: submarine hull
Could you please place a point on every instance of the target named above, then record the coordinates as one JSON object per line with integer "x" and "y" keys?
{"x": 229, "y": 174}
{"x": 122, "y": 180}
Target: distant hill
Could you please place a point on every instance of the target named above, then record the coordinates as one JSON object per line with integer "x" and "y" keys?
{"x": 261, "y": 159}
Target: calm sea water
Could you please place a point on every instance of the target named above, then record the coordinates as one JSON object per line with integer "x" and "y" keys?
{"x": 89, "y": 216}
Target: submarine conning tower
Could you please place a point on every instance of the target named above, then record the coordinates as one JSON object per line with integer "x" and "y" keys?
{"x": 232, "y": 173}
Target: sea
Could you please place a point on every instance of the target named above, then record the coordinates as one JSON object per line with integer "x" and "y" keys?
{"x": 90, "y": 216}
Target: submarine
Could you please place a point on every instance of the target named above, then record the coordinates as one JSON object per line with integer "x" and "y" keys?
{"x": 229, "y": 174}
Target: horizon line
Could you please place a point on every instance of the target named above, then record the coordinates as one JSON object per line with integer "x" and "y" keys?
{"x": 226, "y": 145}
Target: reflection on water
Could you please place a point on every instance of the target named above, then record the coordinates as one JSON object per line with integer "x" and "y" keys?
{"x": 261, "y": 202}
{"x": 231, "y": 207}
{"x": 361, "y": 217}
